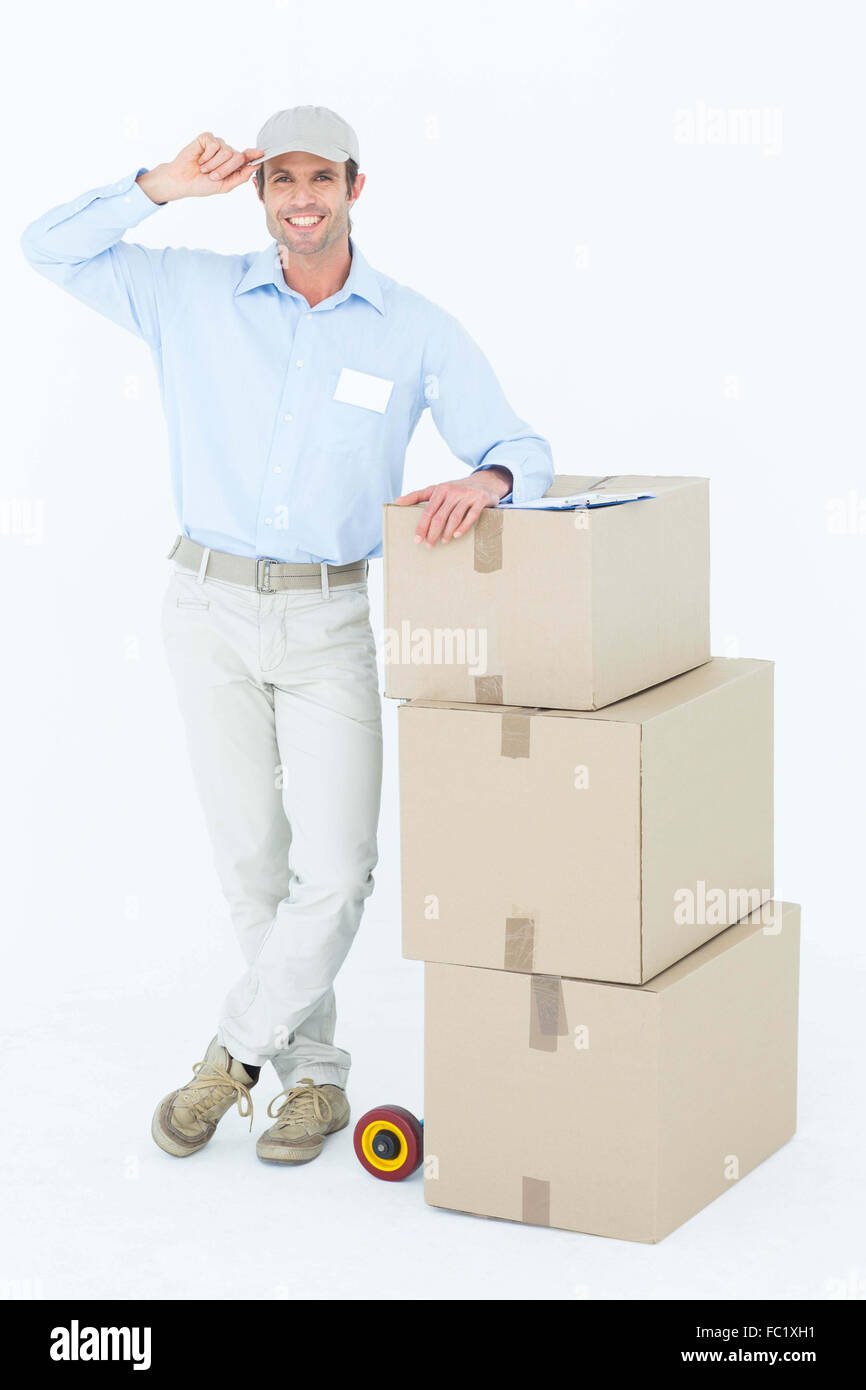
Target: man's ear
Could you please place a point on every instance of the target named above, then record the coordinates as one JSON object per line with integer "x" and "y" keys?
{"x": 356, "y": 191}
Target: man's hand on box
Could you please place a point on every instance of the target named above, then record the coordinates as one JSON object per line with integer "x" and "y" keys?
{"x": 453, "y": 508}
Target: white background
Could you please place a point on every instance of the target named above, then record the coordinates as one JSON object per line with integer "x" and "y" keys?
{"x": 651, "y": 306}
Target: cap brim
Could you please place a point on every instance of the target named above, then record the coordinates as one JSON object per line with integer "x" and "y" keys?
{"x": 332, "y": 152}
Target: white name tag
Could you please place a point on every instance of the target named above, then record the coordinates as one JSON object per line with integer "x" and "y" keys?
{"x": 360, "y": 388}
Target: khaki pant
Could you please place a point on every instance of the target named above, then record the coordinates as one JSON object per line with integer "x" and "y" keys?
{"x": 280, "y": 698}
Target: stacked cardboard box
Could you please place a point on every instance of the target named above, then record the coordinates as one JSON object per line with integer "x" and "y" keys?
{"x": 587, "y": 841}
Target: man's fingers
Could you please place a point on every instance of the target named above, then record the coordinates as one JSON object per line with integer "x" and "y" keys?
{"x": 450, "y": 511}
{"x": 225, "y": 163}
{"x": 409, "y": 499}
{"x": 242, "y": 175}
{"x": 439, "y": 517}
{"x": 217, "y": 159}
{"x": 471, "y": 517}
{"x": 435, "y": 496}
{"x": 208, "y": 162}
{"x": 217, "y": 155}
{"x": 459, "y": 517}
{"x": 210, "y": 146}
{"x": 228, "y": 166}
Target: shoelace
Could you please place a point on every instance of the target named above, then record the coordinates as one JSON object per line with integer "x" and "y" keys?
{"x": 305, "y": 1102}
{"x": 207, "y": 1076}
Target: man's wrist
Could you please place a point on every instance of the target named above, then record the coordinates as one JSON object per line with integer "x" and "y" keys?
{"x": 152, "y": 183}
{"x": 501, "y": 480}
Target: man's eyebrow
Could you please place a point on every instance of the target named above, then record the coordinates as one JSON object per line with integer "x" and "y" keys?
{"x": 288, "y": 171}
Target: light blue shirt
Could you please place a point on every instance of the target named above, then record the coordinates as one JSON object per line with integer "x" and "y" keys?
{"x": 281, "y": 445}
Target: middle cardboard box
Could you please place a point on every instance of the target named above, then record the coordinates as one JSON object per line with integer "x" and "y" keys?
{"x": 601, "y": 845}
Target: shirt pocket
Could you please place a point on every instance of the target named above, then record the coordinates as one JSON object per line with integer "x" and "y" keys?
{"x": 349, "y": 424}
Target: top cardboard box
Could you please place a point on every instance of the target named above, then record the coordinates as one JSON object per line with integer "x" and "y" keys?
{"x": 559, "y": 610}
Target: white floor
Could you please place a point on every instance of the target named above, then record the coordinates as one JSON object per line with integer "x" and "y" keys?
{"x": 117, "y": 952}
{"x": 93, "y": 1209}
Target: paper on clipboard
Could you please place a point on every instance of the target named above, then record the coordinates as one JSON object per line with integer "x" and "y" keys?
{"x": 579, "y": 499}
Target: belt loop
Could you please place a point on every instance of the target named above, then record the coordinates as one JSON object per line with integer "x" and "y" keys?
{"x": 326, "y": 591}
{"x": 202, "y": 569}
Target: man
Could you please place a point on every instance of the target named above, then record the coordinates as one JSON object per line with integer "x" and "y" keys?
{"x": 292, "y": 380}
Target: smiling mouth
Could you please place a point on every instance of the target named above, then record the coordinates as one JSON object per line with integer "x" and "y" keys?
{"x": 303, "y": 222}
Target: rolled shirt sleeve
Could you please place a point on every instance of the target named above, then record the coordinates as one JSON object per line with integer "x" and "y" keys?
{"x": 79, "y": 247}
{"x": 472, "y": 415}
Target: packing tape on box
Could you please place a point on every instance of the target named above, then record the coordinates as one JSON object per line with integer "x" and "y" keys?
{"x": 488, "y": 690}
{"x": 488, "y": 541}
{"x": 547, "y": 1021}
{"x": 514, "y": 736}
{"x": 536, "y": 1202}
{"x": 519, "y": 944}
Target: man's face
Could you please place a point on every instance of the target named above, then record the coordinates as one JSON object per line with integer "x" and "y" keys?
{"x": 307, "y": 202}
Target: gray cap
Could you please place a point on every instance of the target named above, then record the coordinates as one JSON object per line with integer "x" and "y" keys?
{"x": 313, "y": 129}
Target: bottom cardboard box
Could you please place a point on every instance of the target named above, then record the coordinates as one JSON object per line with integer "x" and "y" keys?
{"x": 616, "y": 1110}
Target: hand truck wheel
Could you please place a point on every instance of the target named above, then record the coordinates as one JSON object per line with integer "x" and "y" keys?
{"x": 389, "y": 1142}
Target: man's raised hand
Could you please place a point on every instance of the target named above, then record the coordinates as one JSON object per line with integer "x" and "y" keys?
{"x": 206, "y": 165}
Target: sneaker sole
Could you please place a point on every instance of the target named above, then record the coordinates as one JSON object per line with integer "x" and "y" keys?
{"x": 270, "y": 1152}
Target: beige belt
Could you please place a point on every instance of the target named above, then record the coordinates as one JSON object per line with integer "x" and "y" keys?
{"x": 268, "y": 576}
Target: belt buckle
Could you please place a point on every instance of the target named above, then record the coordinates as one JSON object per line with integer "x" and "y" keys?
{"x": 265, "y": 588}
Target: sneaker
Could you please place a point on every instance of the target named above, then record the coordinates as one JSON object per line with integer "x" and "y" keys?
{"x": 304, "y": 1116}
{"x": 185, "y": 1121}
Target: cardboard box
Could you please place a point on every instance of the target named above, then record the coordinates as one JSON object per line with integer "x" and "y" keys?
{"x": 616, "y": 1110}
{"x": 569, "y": 610}
{"x": 602, "y": 845}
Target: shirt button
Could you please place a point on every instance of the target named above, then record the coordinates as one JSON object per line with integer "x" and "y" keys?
{"x": 289, "y": 416}
{"x": 267, "y": 521}
{"x": 277, "y": 468}
{"x": 299, "y": 362}
{"x": 308, "y": 316}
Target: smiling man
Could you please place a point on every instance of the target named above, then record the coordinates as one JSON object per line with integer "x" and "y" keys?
{"x": 292, "y": 380}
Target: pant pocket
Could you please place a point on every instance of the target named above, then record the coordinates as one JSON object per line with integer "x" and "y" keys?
{"x": 189, "y": 593}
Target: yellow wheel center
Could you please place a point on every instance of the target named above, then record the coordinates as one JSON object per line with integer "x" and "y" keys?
{"x": 385, "y": 1165}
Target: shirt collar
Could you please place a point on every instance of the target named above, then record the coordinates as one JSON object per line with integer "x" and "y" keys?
{"x": 265, "y": 269}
